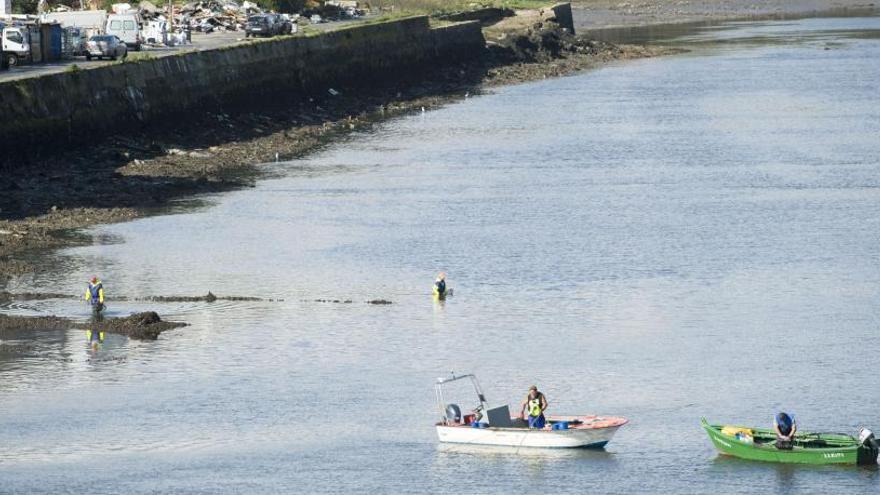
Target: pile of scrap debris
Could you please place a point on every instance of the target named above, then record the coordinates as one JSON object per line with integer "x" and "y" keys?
{"x": 204, "y": 15}
{"x": 342, "y": 9}
{"x": 226, "y": 15}
{"x": 230, "y": 15}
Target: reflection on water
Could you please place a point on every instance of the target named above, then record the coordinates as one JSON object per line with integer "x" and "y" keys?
{"x": 789, "y": 478}
{"x": 469, "y": 461}
{"x": 502, "y": 452}
{"x": 661, "y": 240}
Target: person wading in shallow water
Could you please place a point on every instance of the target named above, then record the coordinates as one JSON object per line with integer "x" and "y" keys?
{"x": 95, "y": 294}
{"x": 440, "y": 285}
{"x": 536, "y": 404}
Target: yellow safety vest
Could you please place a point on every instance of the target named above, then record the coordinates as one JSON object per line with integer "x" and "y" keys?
{"x": 535, "y": 407}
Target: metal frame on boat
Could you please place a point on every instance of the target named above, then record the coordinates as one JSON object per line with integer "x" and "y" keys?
{"x": 495, "y": 426}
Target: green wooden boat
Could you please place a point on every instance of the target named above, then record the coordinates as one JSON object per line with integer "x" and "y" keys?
{"x": 809, "y": 448}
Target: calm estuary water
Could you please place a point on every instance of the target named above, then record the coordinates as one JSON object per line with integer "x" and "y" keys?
{"x": 664, "y": 239}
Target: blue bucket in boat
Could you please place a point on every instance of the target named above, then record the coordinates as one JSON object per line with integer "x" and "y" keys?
{"x": 479, "y": 425}
{"x": 562, "y": 425}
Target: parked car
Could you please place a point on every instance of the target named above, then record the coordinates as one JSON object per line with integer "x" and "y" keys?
{"x": 105, "y": 46}
{"x": 267, "y": 25}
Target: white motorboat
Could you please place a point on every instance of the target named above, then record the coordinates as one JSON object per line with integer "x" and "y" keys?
{"x": 495, "y": 425}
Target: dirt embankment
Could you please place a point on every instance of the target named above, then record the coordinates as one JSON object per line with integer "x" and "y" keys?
{"x": 140, "y": 326}
{"x": 125, "y": 177}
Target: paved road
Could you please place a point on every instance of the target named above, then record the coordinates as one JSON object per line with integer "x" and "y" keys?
{"x": 199, "y": 42}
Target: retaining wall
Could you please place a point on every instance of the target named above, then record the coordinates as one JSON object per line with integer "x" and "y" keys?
{"x": 76, "y": 106}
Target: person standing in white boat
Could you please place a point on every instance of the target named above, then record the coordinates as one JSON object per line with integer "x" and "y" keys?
{"x": 536, "y": 404}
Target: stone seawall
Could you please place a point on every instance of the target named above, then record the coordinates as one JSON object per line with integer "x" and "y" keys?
{"x": 76, "y": 107}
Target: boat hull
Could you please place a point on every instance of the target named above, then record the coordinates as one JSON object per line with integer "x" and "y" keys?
{"x": 573, "y": 438}
{"x": 839, "y": 450}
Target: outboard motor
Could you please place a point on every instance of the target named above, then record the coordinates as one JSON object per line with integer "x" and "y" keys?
{"x": 453, "y": 413}
{"x": 866, "y": 438}
{"x": 869, "y": 447}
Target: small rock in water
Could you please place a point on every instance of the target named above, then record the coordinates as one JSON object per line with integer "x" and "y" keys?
{"x": 379, "y": 301}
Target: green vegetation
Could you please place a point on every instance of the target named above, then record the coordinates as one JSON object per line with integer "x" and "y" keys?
{"x": 283, "y": 6}
{"x": 385, "y": 17}
{"x": 73, "y": 68}
{"x": 138, "y": 57}
{"x": 24, "y": 6}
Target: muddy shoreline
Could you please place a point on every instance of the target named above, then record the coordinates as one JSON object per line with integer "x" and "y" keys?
{"x": 130, "y": 176}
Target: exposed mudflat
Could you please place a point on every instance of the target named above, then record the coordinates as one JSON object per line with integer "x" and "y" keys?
{"x": 32, "y": 296}
{"x": 209, "y": 297}
{"x": 140, "y": 326}
{"x": 10, "y": 323}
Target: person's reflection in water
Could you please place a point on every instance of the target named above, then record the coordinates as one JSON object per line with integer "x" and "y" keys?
{"x": 95, "y": 339}
{"x": 785, "y": 482}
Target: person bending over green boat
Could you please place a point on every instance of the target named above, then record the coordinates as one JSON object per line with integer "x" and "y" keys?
{"x": 785, "y": 427}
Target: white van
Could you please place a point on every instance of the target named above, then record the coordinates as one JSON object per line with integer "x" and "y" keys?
{"x": 126, "y": 27}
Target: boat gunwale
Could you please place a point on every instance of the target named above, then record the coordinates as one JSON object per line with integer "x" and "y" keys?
{"x": 852, "y": 443}
{"x": 616, "y": 422}
{"x": 854, "y": 454}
